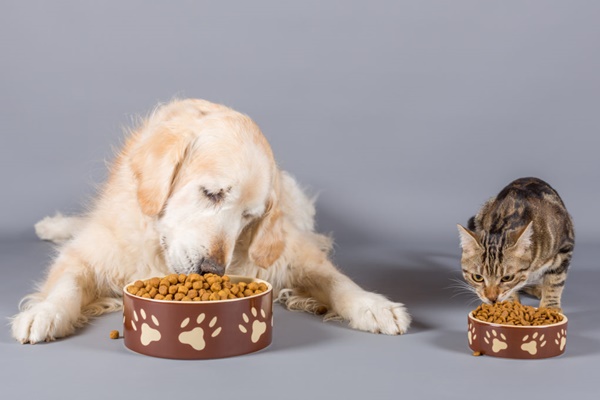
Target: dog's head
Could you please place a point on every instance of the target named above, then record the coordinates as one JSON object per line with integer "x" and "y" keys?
{"x": 207, "y": 177}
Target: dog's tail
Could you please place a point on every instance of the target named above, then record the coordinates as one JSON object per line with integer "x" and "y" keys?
{"x": 59, "y": 228}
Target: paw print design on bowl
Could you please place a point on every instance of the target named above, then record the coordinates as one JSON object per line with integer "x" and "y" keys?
{"x": 195, "y": 336}
{"x": 148, "y": 334}
{"x": 498, "y": 342}
{"x": 258, "y": 327}
{"x": 471, "y": 334}
{"x": 532, "y": 344}
{"x": 561, "y": 339}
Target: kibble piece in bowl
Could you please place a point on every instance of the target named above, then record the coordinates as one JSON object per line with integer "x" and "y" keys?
{"x": 194, "y": 287}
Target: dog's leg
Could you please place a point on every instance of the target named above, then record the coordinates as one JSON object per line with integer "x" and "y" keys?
{"x": 315, "y": 277}
{"x": 58, "y": 229}
{"x": 56, "y": 310}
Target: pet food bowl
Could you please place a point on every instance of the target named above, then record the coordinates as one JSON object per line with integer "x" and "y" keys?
{"x": 200, "y": 329}
{"x": 513, "y": 341}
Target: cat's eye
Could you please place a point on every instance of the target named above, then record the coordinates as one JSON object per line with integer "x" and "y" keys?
{"x": 507, "y": 278}
{"x": 477, "y": 278}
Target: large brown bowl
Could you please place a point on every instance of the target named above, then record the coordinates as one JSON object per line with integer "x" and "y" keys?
{"x": 199, "y": 330}
{"x": 510, "y": 341}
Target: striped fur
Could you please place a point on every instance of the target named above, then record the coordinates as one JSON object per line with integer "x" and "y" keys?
{"x": 521, "y": 240}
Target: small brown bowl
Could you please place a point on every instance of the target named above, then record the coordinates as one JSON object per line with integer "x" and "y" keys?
{"x": 200, "y": 329}
{"x": 510, "y": 341}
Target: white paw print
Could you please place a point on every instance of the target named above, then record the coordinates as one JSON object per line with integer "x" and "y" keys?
{"x": 532, "y": 346}
{"x": 195, "y": 337}
{"x": 498, "y": 341}
{"x": 149, "y": 334}
{"x": 561, "y": 339}
{"x": 258, "y": 327}
{"x": 471, "y": 334}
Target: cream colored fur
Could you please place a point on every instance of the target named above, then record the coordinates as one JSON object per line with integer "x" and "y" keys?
{"x": 195, "y": 187}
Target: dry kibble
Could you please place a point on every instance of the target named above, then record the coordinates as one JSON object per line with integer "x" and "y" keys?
{"x": 513, "y": 313}
{"x": 165, "y": 282}
{"x": 155, "y": 282}
{"x": 132, "y": 289}
{"x": 182, "y": 289}
{"x": 178, "y": 296}
{"x": 212, "y": 287}
{"x": 114, "y": 334}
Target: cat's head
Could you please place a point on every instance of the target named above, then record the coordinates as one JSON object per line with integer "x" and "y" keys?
{"x": 496, "y": 265}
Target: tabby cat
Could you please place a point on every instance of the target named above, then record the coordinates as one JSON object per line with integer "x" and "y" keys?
{"x": 522, "y": 239}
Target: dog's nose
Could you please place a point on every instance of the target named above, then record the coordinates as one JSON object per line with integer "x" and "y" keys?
{"x": 209, "y": 265}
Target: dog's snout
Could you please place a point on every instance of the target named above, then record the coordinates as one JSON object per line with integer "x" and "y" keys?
{"x": 209, "y": 265}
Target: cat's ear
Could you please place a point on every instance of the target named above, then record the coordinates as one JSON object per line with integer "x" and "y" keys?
{"x": 468, "y": 240}
{"x": 522, "y": 239}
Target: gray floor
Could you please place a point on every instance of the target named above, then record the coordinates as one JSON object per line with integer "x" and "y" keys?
{"x": 309, "y": 358}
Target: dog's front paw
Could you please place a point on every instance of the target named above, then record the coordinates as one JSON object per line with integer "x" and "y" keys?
{"x": 372, "y": 312}
{"x": 42, "y": 322}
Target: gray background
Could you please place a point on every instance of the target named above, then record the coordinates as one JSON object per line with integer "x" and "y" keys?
{"x": 404, "y": 117}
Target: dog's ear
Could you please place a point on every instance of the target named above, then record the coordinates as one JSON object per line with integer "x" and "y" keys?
{"x": 155, "y": 162}
{"x": 268, "y": 240}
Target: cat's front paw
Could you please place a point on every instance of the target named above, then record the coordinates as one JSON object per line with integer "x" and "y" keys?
{"x": 42, "y": 322}
{"x": 372, "y": 312}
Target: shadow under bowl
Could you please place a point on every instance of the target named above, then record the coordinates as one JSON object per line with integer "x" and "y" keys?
{"x": 200, "y": 329}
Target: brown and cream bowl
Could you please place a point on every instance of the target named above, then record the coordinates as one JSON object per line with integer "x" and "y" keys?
{"x": 514, "y": 341}
{"x": 195, "y": 328}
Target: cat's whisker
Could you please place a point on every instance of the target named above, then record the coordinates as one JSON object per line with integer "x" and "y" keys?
{"x": 463, "y": 288}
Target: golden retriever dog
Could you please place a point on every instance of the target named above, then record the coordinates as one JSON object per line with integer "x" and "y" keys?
{"x": 195, "y": 188}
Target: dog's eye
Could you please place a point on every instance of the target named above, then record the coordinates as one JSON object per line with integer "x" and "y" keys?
{"x": 214, "y": 197}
